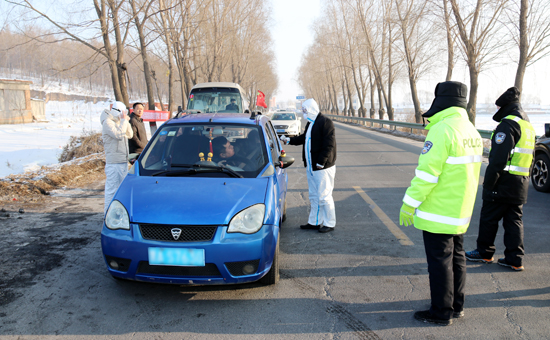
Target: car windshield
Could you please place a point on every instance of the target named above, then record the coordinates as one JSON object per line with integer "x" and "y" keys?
{"x": 283, "y": 116}
{"x": 215, "y": 99}
{"x": 183, "y": 150}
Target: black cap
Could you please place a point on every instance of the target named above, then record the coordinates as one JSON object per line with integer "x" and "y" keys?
{"x": 509, "y": 97}
{"x": 447, "y": 94}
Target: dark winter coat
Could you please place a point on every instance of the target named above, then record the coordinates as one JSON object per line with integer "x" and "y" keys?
{"x": 323, "y": 143}
{"x": 138, "y": 142}
{"x": 500, "y": 185}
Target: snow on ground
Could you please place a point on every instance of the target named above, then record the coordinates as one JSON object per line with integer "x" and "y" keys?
{"x": 27, "y": 147}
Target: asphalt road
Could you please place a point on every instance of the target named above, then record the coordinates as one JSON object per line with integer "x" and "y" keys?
{"x": 362, "y": 281}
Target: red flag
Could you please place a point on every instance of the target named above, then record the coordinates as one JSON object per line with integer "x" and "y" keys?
{"x": 260, "y": 99}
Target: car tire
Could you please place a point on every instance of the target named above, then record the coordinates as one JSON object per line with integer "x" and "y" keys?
{"x": 272, "y": 276}
{"x": 284, "y": 213}
{"x": 539, "y": 173}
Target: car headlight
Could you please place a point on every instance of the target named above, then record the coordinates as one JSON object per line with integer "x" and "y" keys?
{"x": 248, "y": 221}
{"x": 117, "y": 217}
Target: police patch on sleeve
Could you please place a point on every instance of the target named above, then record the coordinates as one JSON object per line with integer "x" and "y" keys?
{"x": 500, "y": 137}
{"x": 427, "y": 146}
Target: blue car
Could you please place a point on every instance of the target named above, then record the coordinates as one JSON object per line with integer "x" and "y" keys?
{"x": 203, "y": 204}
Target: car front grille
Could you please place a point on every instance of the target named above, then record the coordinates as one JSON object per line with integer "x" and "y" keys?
{"x": 210, "y": 270}
{"x": 161, "y": 232}
{"x": 281, "y": 126}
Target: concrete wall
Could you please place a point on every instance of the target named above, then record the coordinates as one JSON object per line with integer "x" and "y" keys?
{"x": 15, "y": 102}
{"x": 38, "y": 109}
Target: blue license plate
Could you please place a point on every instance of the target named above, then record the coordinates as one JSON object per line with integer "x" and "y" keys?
{"x": 281, "y": 130}
{"x": 185, "y": 257}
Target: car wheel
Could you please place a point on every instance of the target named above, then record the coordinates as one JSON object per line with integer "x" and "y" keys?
{"x": 539, "y": 173}
{"x": 272, "y": 276}
{"x": 284, "y": 212}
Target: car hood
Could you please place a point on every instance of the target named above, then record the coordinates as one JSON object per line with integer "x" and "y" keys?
{"x": 189, "y": 200}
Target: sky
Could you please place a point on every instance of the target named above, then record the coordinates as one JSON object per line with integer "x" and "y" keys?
{"x": 292, "y": 33}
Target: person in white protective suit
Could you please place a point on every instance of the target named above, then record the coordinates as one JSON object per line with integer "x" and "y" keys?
{"x": 319, "y": 156}
{"x": 115, "y": 134}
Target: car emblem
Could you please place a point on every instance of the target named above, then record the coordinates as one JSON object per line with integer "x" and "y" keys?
{"x": 176, "y": 232}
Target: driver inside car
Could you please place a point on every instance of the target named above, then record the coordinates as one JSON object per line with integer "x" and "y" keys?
{"x": 224, "y": 154}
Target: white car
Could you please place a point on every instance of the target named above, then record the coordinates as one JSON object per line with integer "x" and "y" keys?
{"x": 287, "y": 123}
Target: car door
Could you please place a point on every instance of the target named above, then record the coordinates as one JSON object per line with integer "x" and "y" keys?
{"x": 281, "y": 177}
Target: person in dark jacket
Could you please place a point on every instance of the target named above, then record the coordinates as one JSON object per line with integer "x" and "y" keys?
{"x": 138, "y": 142}
{"x": 319, "y": 156}
{"x": 506, "y": 183}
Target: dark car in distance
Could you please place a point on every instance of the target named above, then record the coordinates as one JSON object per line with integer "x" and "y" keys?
{"x": 541, "y": 164}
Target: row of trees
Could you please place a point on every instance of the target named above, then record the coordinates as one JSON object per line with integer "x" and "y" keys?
{"x": 363, "y": 46}
{"x": 161, "y": 47}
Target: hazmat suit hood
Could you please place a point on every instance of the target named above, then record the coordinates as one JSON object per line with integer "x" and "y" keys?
{"x": 310, "y": 110}
{"x": 106, "y": 114}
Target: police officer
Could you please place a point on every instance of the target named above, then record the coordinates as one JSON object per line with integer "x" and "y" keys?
{"x": 441, "y": 198}
{"x": 506, "y": 183}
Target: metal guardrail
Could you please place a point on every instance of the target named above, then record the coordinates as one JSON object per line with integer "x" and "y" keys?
{"x": 394, "y": 124}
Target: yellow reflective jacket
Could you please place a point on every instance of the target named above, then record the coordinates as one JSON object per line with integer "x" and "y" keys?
{"x": 445, "y": 185}
{"x": 522, "y": 154}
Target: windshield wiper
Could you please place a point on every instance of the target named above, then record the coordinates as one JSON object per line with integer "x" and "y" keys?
{"x": 195, "y": 170}
{"x": 219, "y": 169}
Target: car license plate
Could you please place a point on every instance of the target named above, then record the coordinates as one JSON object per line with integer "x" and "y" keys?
{"x": 185, "y": 257}
{"x": 280, "y": 130}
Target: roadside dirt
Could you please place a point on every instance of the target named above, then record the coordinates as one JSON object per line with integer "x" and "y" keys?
{"x": 41, "y": 218}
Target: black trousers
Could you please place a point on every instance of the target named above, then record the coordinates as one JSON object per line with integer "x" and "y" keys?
{"x": 511, "y": 216}
{"x": 447, "y": 273}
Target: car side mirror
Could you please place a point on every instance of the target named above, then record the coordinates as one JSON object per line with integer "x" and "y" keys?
{"x": 547, "y": 129}
{"x": 286, "y": 161}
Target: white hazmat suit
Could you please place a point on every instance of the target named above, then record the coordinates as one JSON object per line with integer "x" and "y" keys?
{"x": 115, "y": 134}
{"x": 320, "y": 177}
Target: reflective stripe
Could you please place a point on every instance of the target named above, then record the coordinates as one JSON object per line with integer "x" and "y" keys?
{"x": 426, "y": 176}
{"x": 515, "y": 119}
{"x": 411, "y": 201}
{"x": 443, "y": 219}
{"x": 516, "y": 168}
{"x": 464, "y": 159}
{"x": 523, "y": 150}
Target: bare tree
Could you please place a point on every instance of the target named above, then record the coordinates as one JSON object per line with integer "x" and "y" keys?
{"x": 531, "y": 33}
{"x": 477, "y": 30}
{"x": 450, "y": 42}
{"x": 416, "y": 39}
{"x": 108, "y": 17}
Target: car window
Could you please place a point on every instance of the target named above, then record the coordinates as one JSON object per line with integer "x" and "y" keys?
{"x": 277, "y": 144}
{"x": 283, "y": 116}
{"x": 176, "y": 149}
{"x": 215, "y": 99}
{"x": 273, "y": 142}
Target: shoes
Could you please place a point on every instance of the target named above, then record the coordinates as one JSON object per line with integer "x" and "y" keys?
{"x": 503, "y": 262}
{"x": 426, "y": 316}
{"x": 324, "y": 229}
{"x": 310, "y": 226}
{"x": 458, "y": 315}
{"x": 476, "y": 257}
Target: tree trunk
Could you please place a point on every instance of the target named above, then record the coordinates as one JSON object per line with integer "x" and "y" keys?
{"x": 523, "y": 45}
{"x": 472, "y": 100}
{"x": 345, "y": 98}
{"x": 450, "y": 48}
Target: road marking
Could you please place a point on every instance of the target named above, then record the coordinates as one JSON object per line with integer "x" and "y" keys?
{"x": 392, "y": 227}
